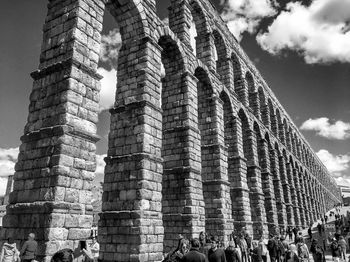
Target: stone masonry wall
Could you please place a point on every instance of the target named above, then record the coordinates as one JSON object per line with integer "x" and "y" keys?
{"x": 206, "y": 147}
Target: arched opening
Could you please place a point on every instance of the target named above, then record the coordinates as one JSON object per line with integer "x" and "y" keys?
{"x": 220, "y": 53}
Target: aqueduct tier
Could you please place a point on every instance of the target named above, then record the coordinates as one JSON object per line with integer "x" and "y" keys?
{"x": 205, "y": 147}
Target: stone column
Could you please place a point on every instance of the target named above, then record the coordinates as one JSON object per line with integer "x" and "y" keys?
{"x": 294, "y": 195}
{"x": 241, "y": 211}
{"x": 278, "y": 189}
{"x": 274, "y": 127}
{"x": 308, "y": 197}
{"x": 256, "y": 195}
{"x": 299, "y": 196}
{"x": 286, "y": 191}
{"x": 267, "y": 185}
{"x": 205, "y": 45}
{"x": 265, "y": 115}
{"x": 215, "y": 169}
{"x": 56, "y": 162}
{"x": 255, "y": 104}
{"x": 281, "y": 134}
{"x": 304, "y": 200}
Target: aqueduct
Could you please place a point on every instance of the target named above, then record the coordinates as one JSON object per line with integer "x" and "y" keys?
{"x": 206, "y": 147}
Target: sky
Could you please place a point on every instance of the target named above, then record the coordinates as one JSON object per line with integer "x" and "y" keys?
{"x": 301, "y": 48}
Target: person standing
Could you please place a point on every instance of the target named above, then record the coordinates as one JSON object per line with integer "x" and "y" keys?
{"x": 343, "y": 245}
{"x": 9, "y": 251}
{"x": 216, "y": 254}
{"x": 317, "y": 251}
{"x": 231, "y": 253}
{"x": 244, "y": 248}
{"x": 303, "y": 251}
{"x": 335, "y": 250}
{"x": 194, "y": 255}
{"x": 272, "y": 247}
{"x": 95, "y": 249}
{"x": 309, "y": 231}
{"x": 29, "y": 249}
{"x": 290, "y": 233}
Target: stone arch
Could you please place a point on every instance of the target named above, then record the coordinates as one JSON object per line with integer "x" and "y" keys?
{"x": 222, "y": 54}
{"x": 239, "y": 88}
{"x": 286, "y": 134}
{"x": 264, "y": 112}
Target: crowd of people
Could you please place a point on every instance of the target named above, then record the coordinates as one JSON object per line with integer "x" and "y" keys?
{"x": 242, "y": 248}
{"x": 87, "y": 251}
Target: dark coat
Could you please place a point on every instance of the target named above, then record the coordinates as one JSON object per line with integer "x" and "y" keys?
{"x": 232, "y": 255}
{"x": 272, "y": 247}
{"x": 29, "y": 249}
{"x": 216, "y": 256}
{"x": 194, "y": 256}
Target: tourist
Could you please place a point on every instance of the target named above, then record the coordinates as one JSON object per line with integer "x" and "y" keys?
{"x": 216, "y": 254}
{"x": 29, "y": 249}
{"x": 343, "y": 245}
{"x": 9, "y": 251}
{"x": 179, "y": 252}
{"x": 255, "y": 252}
{"x": 64, "y": 255}
{"x": 204, "y": 243}
{"x": 317, "y": 251}
{"x": 295, "y": 232}
{"x": 280, "y": 250}
{"x": 303, "y": 250}
{"x": 286, "y": 248}
{"x": 335, "y": 249}
{"x": 263, "y": 249}
{"x": 231, "y": 252}
{"x": 326, "y": 218}
{"x": 290, "y": 233}
{"x": 243, "y": 246}
{"x": 95, "y": 249}
{"x": 309, "y": 231}
{"x": 82, "y": 253}
{"x": 194, "y": 255}
{"x": 292, "y": 254}
{"x": 272, "y": 247}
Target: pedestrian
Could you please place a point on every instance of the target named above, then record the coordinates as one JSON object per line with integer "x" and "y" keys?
{"x": 292, "y": 254}
{"x": 9, "y": 251}
{"x": 29, "y": 249}
{"x": 286, "y": 248}
{"x": 231, "y": 252}
{"x": 290, "y": 233}
{"x": 295, "y": 232}
{"x": 244, "y": 248}
{"x": 95, "y": 248}
{"x": 343, "y": 245}
{"x": 335, "y": 249}
{"x": 303, "y": 251}
{"x": 194, "y": 255}
{"x": 326, "y": 218}
{"x": 82, "y": 253}
{"x": 255, "y": 252}
{"x": 216, "y": 254}
{"x": 319, "y": 229}
{"x": 280, "y": 250}
{"x": 309, "y": 231}
{"x": 317, "y": 251}
{"x": 263, "y": 249}
{"x": 177, "y": 254}
{"x": 272, "y": 248}
{"x": 64, "y": 255}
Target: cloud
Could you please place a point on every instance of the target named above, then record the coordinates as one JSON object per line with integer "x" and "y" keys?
{"x": 336, "y": 164}
{"x": 3, "y": 185}
{"x": 108, "y": 87}
{"x": 245, "y": 15}
{"x": 8, "y": 158}
{"x": 320, "y": 32}
{"x": 110, "y": 45}
{"x": 339, "y": 130}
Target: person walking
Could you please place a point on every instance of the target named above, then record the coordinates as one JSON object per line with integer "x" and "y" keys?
{"x": 29, "y": 249}
{"x": 303, "y": 251}
{"x": 309, "y": 231}
{"x": 317, "y": 251}
{"x": 231, "y": 252}
{"x": 244, "y": 248}
{"x": 216, "y": 254}
{"x": 290, "y": 233}
{"x": 292, "y": 254}
{"x": 343, "y": 245}
{"x": 272, "y": 247}
{"x": 95, "y": 249}
{"x": 9, "y": 251}
{"x": 335, "y": 249}
{"x": 179, "y": 252}
{"x": 194, "y": 255}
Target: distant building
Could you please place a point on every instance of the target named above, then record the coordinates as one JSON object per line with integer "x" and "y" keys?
{"x": 345, "y": 191}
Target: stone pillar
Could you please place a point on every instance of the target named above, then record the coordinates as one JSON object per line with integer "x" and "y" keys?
{"x": 183, "y": 203}
{"x": 237, "y": 170}
{"x": 278, "y": 189}
{"x": 308, "y": 198}
{"x": 294, "y": 195}
{"x": 304, "y": 199}
{"x": 281, "y": 134}
{"x": 274, "y": 127}
{"x": 255, "y": 104}
{"x": 299, "y": 196}
{"x": 267, "y": 185}
{"x": 205, "y": 49}
{"x": 180, "y": 20}
{"x": 265, "y": 115}
{"x": 56, "y": 162}
{"x": 215, "y": 169}
{"x": 286, "y": 191}
{"x": 256, "y": 195}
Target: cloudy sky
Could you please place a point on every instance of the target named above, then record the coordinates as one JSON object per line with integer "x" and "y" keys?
{"x": 302, "y": 49}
